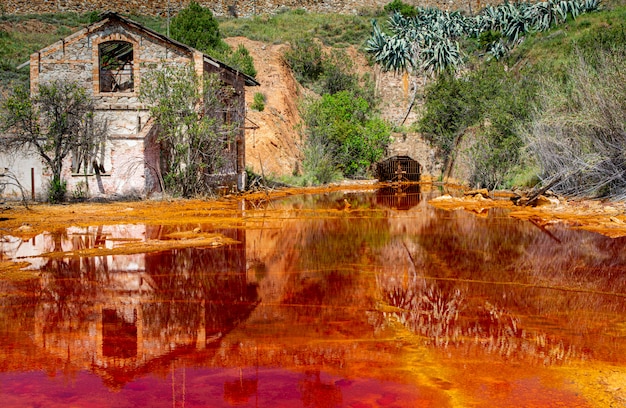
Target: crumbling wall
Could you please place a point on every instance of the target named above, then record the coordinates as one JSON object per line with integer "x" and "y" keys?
{"x": 225, "y": 7}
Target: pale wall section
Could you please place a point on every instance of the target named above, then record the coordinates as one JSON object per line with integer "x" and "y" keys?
{"x": 19, "y": 169}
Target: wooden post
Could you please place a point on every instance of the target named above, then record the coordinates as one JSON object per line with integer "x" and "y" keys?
{"x": 32, "y": 183}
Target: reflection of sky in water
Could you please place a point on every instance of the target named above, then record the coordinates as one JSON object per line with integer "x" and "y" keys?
{"x": 339, "y": 295}
{"x": 75, "y": 238}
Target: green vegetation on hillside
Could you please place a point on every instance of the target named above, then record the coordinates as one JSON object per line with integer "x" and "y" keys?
{"x": 337, "y": 30}
{"x": 22, "y": 35}
{"x": 344, "y": 135}
{"x": 196, "y": 27}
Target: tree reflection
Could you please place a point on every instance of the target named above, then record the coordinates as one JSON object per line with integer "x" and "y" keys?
{"x": 443, "y": 280}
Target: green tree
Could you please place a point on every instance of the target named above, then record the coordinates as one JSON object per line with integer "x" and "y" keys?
{"x": 343, "y": 136}
{"x": 492, "y": 101}
{"x": 193, "y": 133}
{"x": 241, "y": 60}
{"x": 196, "y": 27}
{"x": 54, "y": 122}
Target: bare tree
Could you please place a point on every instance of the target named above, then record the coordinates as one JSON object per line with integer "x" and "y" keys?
{"x": 54, "y": 122}
{"x": 579, "y": 133}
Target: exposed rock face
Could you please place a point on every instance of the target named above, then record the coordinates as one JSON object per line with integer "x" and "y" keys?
{"x": 224, "y": 7}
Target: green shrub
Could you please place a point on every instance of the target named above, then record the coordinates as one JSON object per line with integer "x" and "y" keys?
{"x": 342, "y": 136}
{"x": 242, "y": 60}
{"x": 406, "y": 10}
{"x": 196, "y": 27}
{"x": 306, "y": 60}
{"x": 259, "y": 102}
{"x": 57, "y": 190}
{"x": 337, "y": 74}
{"x": 81, "y": 191}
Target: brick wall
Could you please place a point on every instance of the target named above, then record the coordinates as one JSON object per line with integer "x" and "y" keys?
{"x": 222, "y": 7}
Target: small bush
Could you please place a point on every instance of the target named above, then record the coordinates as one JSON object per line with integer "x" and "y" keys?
{"x": 259, "y": 102}
{"x": 196, "y": 27}
{"x": 398, "y": 6}
{"x": 80, "y": 192}
{"x": 343, "y": 136}
{"x": 57, "y": 191}
{"x": 305, "y": 59}
{"x": 242, "y": 60}
{"x": 337, "y": 75}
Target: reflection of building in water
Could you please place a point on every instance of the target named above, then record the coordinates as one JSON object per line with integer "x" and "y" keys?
{"x": 122, "y": 323}
{"x": 399, "y": 196}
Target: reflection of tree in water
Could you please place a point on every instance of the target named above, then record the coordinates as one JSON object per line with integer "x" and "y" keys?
{"x": 446, "y": 286}
{"x": 335, "y": 246}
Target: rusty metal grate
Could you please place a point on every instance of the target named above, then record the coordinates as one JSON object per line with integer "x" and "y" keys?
{"x": 398, "y": 168}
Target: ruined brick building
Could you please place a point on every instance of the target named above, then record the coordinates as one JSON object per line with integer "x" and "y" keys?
{"x": 109, "y": 58}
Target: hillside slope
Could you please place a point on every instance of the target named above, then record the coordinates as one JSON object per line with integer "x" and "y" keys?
{"x": 273, "y": 141}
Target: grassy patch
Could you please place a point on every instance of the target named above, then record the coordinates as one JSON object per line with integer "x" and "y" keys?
{"x": 332, "y": 29}
{"x": 552, "y": 50}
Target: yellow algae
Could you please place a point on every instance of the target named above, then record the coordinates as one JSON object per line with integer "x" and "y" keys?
{"x": 603, "y": 384}
{"x": 233, "y": 211}
{"x": 185, "y": 240}
{"x": 589, "y": 216}
{"x": 14, "y": 271}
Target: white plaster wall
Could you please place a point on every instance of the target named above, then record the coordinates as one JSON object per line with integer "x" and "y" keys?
{"x": 19, "y": 165}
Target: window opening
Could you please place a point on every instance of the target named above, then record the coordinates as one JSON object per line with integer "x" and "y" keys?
{"x": 116, "y": 67}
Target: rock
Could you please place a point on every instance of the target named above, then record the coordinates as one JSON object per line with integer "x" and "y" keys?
{"x": 544, "y": 201}
{"x": 483, "y": 192}
{"x": 24, "y": 228}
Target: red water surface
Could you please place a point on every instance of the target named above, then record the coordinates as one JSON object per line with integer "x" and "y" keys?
{"x": 386, "y": 302}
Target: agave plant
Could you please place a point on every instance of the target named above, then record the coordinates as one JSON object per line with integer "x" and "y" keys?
{"x": 497, "y": 50}
{"x": 540, "y": 15}
{"x": 392, "y": 53}
{"x": 441, "y": 55}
